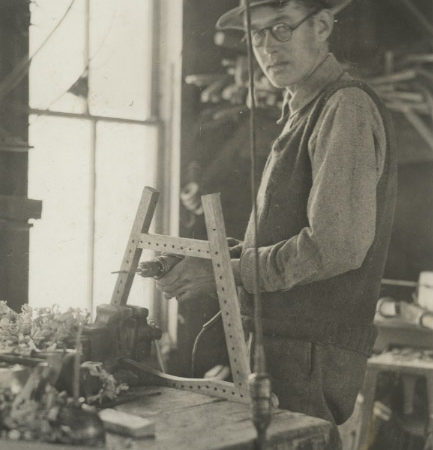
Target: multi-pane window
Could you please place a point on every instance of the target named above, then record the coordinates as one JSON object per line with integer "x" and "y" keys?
{"x": 94, "y": 144}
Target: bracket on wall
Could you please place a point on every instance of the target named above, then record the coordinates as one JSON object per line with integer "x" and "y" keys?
{"x": 17, "y": 208}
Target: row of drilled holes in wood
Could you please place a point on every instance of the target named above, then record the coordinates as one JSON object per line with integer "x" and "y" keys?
{"x": 201, "y": 247}
{"x": 204, "y": 387}
{"x": 220, "y": 285}
{"x": 218, "y": 264}
{"x": 165, "y": 246}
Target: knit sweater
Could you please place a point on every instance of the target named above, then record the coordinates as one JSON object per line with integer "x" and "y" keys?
{"x": 317, "y": 299}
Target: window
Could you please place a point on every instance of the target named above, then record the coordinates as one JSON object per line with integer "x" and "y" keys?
{"x": 94, "y": 144}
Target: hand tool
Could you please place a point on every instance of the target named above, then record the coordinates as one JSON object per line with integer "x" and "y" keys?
{"x": 156, "y": 267}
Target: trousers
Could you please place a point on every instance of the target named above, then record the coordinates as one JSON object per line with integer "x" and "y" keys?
{"x": 319, "y": 380}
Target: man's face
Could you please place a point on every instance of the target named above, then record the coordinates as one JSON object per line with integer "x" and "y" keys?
{"x": 286, "y": 63}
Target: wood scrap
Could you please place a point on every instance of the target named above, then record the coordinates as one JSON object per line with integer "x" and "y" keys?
{"x": 127, "y": 424}
{"x": 405, "y": 75}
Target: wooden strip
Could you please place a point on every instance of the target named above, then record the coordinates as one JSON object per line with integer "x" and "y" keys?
{"x": 404, "y": 283}
{"x": 403, "y": 96}
{"x": 205, "y": 386}
{"x": 420, "y": 126}
{"x": 388, "y": 361}
{"x": 394, "y": 78}
{"x": 368, "y": 393}
{"x": 226, "y": 289}
{"x": 401, "y": 107}
{"x": 177, "y": 245}
{"x": 143, "y": 218}
{"x": 19, "y": 208}
{"x": 11, "y": 148}
{"x": 8, "y": 444}
{"x": 423, "y": 22}
{"x": 127, "y": 424}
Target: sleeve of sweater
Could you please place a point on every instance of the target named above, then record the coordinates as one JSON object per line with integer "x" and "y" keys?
{"x": 347, "y": 151}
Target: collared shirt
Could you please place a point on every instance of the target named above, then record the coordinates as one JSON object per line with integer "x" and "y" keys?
{"x": 347, "y": 153}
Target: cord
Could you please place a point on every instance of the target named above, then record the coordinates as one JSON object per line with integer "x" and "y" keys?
{"x": 209, "y": 324}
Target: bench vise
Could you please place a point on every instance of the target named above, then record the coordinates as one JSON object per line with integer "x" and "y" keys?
{"x": 119, "y": 332}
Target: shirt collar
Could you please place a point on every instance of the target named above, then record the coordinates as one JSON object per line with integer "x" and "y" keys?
{"x": 328, "y": 71}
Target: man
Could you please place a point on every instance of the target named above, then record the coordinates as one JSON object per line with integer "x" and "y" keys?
{"x": 325, "y": 207}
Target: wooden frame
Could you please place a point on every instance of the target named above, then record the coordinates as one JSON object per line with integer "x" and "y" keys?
{"x": 217, "y": 251}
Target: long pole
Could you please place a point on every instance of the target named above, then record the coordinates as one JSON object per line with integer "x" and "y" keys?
{"x": 92, "y": 169}
{"x": 259, "y": 382}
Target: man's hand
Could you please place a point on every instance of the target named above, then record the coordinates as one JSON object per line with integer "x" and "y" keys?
{"x": 190, "y": 279}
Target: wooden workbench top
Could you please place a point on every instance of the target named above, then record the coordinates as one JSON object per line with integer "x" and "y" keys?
{"x": 189, "y": 421}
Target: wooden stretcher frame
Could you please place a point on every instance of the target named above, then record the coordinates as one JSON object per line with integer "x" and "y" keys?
{"x": 217, "y": 251}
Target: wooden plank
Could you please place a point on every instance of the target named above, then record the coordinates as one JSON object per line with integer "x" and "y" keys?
{"x": 396, "y": 332}
{"x": 227, "y": 292}
{"x": 200, "y": 424}
{"x": 19, "y": 208}
{"x": 177, "y": 245}
{"x": 368, "y": 392}
{"x": 33, "y": 445}
{"x": 396, "y": 363}
{"x": 420, "y": 126}
{"x": 127, "y": 424}
{"x": 132, "y": 254}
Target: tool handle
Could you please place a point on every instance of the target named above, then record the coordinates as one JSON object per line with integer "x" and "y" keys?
{"x": 158, "y": 267}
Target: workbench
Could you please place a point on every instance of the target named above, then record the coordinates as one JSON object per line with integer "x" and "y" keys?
{"x": 190, "y": 421}
{"x": 397, "y": 332}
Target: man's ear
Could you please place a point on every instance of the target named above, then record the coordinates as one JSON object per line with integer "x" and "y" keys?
{"x": 324, "y": 24}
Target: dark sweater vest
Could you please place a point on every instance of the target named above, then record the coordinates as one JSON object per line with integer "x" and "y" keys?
{"x": 338, "y": 310}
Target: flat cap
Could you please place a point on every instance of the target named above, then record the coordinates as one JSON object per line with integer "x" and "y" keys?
{"x": 233, "y": 19}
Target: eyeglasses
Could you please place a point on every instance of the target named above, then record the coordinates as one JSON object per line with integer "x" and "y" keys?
{"x": 281, "y": 31}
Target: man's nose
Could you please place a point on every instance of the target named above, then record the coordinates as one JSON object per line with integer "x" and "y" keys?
{"x": 269, "y": 43}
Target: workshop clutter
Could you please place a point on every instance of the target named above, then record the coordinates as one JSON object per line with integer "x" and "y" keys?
{"x": 397, "y": 397}
{"x": 57, "y": 368}
{"x": 406, "y": 86}
{"x": 418, "y": 309}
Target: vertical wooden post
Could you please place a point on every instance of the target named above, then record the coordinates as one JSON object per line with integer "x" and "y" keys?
{"x": 146, "y": 209}
{"x": 226, "y": 289}
{"x": 368, "y": 393}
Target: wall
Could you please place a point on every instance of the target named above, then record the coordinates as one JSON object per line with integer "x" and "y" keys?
{"x": 15, "y": 209}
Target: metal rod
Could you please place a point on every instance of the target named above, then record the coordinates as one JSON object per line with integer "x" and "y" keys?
{"x": 92, "y": 168}
{"x": 399, "y": 283}
{"x": 125, "y": 271}
{"x": 258, "y": 328}
{"x": 259, "y": 383}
